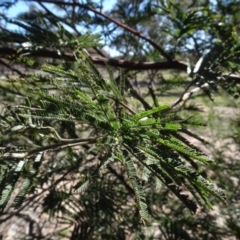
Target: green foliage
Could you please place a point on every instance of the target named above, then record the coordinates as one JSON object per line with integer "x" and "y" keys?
{"x": 74, "y": 142}
{"x": 85, "y": 97}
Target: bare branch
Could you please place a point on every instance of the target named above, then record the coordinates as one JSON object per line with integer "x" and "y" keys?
{"x": 129, "y": 65}
{"x": 64, "y": 143}
{"x": 48, "y": 53}
{"x": 2, "y": 62}
{"x": 187, "y": 95}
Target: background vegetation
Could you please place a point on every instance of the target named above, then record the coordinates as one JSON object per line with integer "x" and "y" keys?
{"x": 120, "y": 124}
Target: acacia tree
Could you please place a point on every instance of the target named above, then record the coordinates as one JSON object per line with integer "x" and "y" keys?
{"x": 75, "y": 145}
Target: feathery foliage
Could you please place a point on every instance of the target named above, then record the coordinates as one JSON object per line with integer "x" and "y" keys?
{"x": 84, "y": 97}
{"x": 73, "y": 140}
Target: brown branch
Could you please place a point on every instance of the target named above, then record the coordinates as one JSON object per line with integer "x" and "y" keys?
{"x": 48, "y": 53}
{"x": 122, "y": 25}
{"x": 129, "y": 65}
{"x": 140, "y": 65}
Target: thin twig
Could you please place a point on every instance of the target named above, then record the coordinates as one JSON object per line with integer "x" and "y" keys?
{"x": 187, "y": 95}
{"x": 10, "y": 67}
{"x": 63, "y": 144}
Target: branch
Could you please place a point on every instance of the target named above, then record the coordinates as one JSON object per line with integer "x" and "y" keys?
{"x": 122, "y": 25}
{"x": 11, "y": 68}
{"x": 52, "y": 147}
{"x": 48, "y": 53}
{"x": 186, "y": 95}
{"x": 129, "y": 65}
{"x": 140, "y": 65}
